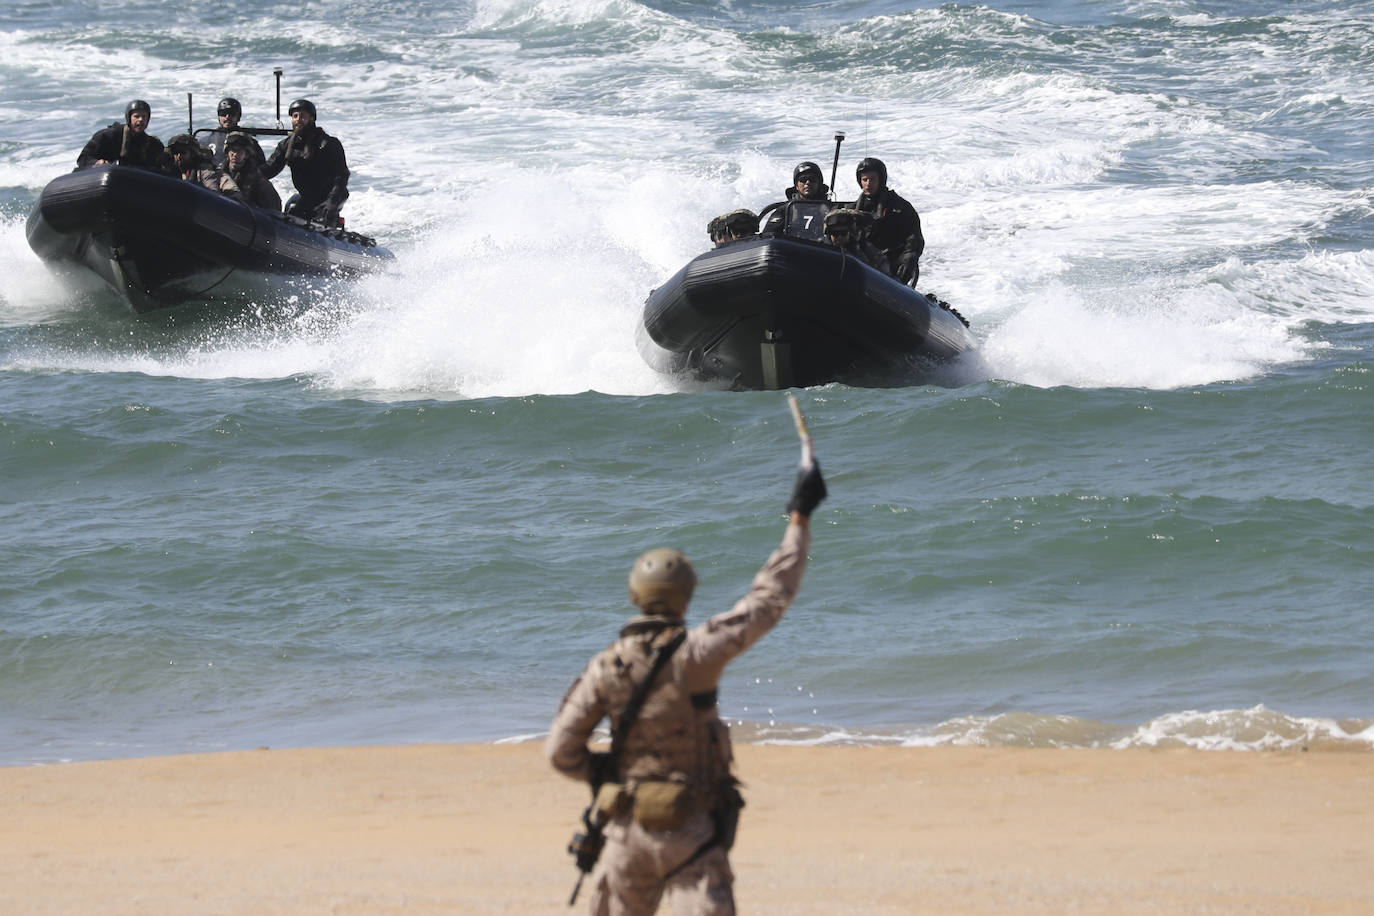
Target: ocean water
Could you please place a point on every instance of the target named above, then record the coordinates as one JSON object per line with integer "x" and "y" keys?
{"x": 403, "y": 510}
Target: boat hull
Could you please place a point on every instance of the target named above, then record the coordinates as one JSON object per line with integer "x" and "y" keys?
{"x": 158, "y": 242}
{"x": 779, "y": 312}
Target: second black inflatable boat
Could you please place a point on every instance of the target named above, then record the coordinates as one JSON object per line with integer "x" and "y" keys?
{"x": 786, "y": 311}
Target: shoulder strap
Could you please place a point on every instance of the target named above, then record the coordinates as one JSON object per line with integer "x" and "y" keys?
{"x": 631, "y": 713}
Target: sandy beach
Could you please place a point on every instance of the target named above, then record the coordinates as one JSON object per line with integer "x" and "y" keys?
{"x": 482, "y": 829}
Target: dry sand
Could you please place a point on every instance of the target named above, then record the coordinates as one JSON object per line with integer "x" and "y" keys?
{"x": 482, "y": 829}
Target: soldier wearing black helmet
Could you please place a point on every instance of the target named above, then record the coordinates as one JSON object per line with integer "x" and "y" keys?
{"x": 896, "y": 224}
{"x": 128, "y": 143}
{"x": 665, "y": 796}
{"x": 230, "y": 113}
{"x": 319, "y": 168}
{"x": 807, "y": 184}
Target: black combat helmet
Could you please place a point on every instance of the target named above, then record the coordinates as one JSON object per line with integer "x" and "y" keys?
{"x": 871, "y": 165}
{"x": 304, "y": 105}
{"x": 137, "y": 105}
{"x": 807, "y": 168}
{"x": 230, "y": 106}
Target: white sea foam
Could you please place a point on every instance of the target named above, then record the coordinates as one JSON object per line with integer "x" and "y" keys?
{"x": 1094, "y": 234}
{"x": 1255, "y": 729}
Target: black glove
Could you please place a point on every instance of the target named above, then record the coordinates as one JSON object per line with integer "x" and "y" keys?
{"x": 909, "y": 269}
{"x": 808, "y": 491}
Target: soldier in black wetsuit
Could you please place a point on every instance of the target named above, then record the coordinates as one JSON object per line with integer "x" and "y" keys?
{"x": 319, "y": 168}
{"x": 896, "y": 230}
{"x": 125, "y": 144}
{"x": 807, "y": 183}
{"x": 230, "y": 113}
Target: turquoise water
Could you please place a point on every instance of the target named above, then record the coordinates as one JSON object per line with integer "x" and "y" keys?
{"x": 404, "y": 510}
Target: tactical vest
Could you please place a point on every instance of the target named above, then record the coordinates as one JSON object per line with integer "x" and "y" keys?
{"x": 677, "y": 737}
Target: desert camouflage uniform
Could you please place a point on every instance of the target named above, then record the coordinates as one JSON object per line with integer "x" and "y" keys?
{"x": 201, "y": 167}
{"x": 678, "y": 737}
{"x": 212, "y": 178}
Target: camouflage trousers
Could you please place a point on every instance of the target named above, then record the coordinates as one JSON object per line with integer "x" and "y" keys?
{"x": 638, "y": 867}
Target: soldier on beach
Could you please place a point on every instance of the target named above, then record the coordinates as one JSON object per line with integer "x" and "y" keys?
{"x": 665, "y": 792}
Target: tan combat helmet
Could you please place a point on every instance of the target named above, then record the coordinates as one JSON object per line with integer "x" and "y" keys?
{"x": 661, "y": 583}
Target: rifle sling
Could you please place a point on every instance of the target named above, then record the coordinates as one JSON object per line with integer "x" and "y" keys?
{"x": 631, "y": 713}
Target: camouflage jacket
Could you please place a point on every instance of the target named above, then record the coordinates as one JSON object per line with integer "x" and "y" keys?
{"x": 208, "y": 176}
{"x": 679, "y": 735}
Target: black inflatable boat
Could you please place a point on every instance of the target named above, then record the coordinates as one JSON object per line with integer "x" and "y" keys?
{"x": 791, "y": 311}
{"x": 158, "y": 241}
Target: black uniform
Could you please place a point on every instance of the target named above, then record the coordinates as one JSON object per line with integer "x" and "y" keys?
{"x": 896, "y": 232}
{"x": 867, "y": 252}
{"x": 319, "y": 170}
{"x": 121, "y": 144}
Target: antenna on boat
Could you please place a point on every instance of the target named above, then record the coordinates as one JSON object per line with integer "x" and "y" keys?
{"x": 276, "y": 71}
{"x": 834, "y": 166}
{"x": 190, "y": 118}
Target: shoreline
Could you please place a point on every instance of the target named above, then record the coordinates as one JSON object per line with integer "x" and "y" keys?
{"x": 483, "y": 828}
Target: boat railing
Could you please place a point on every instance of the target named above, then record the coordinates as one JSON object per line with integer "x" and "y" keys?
{"x": 250, "y": 131}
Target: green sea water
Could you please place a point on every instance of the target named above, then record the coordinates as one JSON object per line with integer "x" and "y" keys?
{"x": 404, "y": 510}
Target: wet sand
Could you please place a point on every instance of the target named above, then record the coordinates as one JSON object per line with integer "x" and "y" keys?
{"x": 482, "y": 829}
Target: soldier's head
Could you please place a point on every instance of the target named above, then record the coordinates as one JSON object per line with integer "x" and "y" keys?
{"x": 184, "y": 149}
{"x": 733, "y": 226}
{"x": 137, "y": 114}
{"x": 302, "y": 112}
{"x": 844, "y": 226}
{"x": 230, "y": 112}
{"x": 661, "y": 583}
{"x": 808, "y": 181}
{"x": 871, "y": 175}
{"x": 715, "y": 230}
{"x": 238, "y": 149}
{"x": 739, "y": 224}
